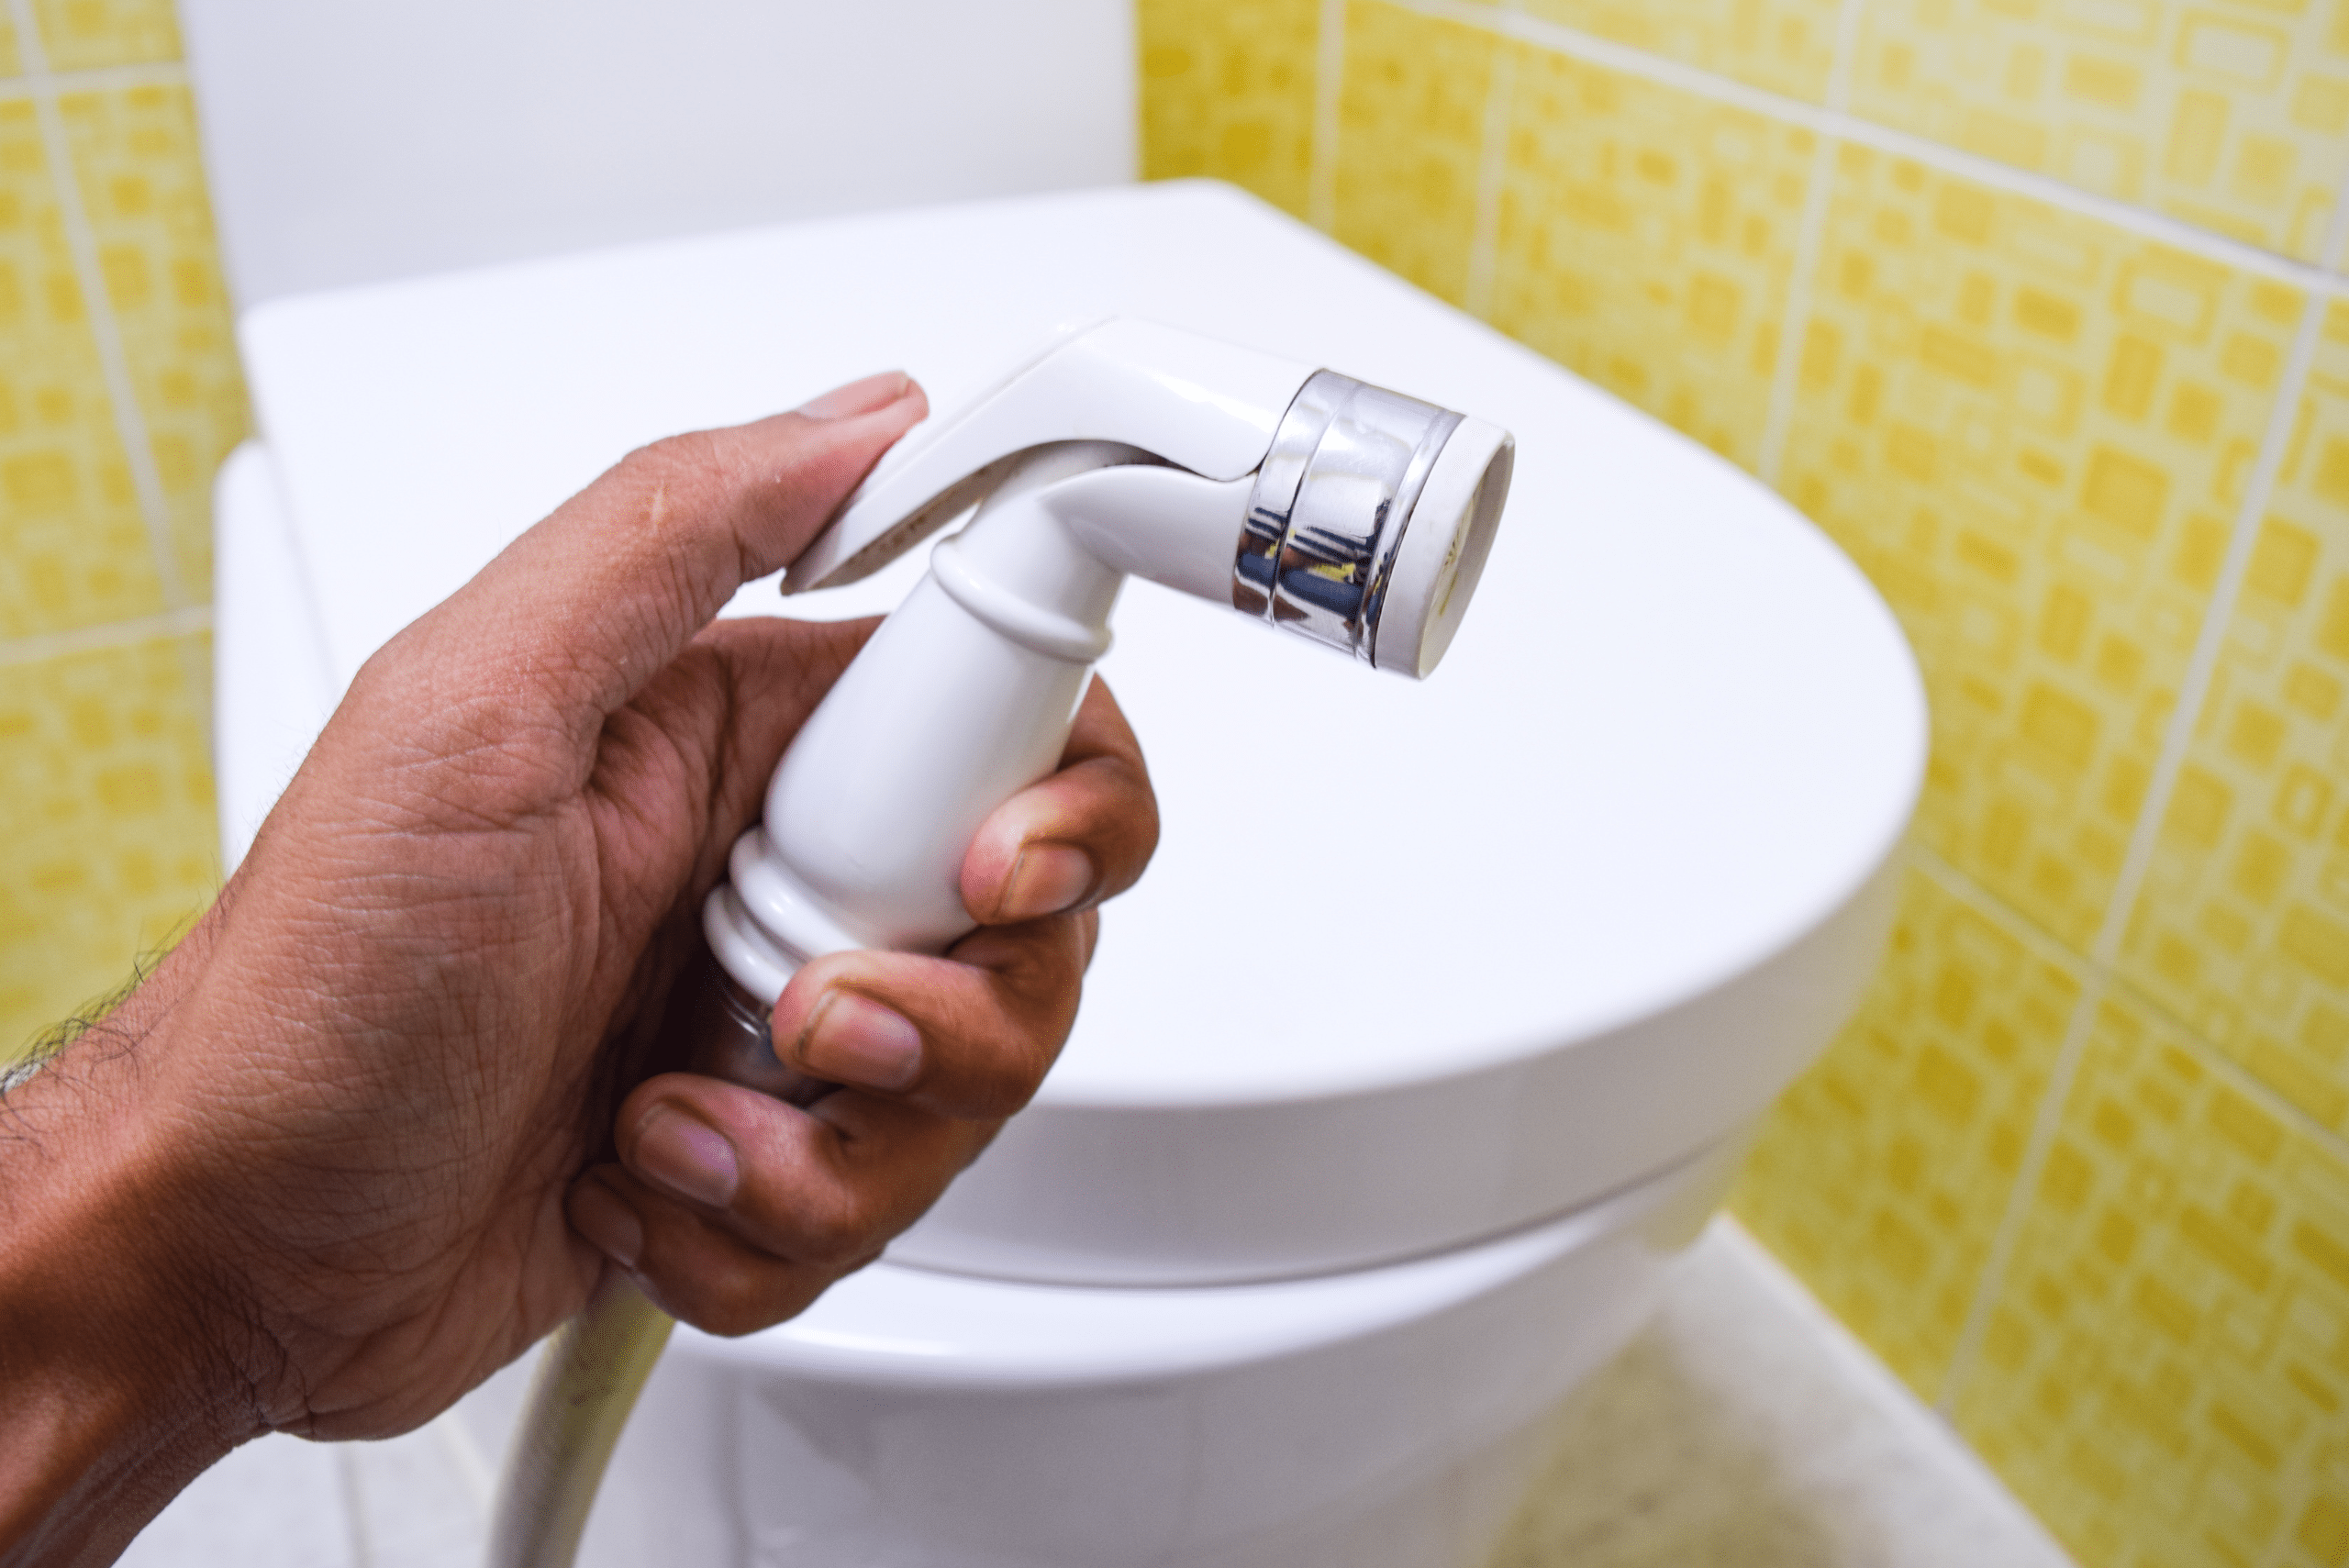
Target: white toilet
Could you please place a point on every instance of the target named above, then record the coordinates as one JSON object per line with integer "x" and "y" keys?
{"x": 1431, "y": 1036}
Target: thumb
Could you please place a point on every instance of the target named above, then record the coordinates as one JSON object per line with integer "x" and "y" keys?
{"x": 574, "y": 617}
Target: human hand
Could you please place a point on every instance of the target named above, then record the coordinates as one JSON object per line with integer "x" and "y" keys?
{"x": 323, "y": 1172}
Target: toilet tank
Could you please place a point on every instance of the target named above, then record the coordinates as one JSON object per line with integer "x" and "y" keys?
{"x": 351, "y": 143}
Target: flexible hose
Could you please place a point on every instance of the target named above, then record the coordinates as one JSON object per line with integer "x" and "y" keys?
{"x": 587, "y": 1381}
{"x": 595, "y": 1366}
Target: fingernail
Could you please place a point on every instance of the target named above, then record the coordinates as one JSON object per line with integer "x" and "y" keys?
{"x": 860, "y": 397}
{"x": 1045, "y": 880}
{"x": 853, "y": 1041}
{"x": 598, "y": 1214}
{"x": 684, "y": 1153}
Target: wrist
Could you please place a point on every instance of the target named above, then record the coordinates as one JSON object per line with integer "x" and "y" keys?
{"x": 117, "y": 1385}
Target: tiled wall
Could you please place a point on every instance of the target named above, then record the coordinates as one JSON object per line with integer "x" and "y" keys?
{"x": 120, "y": 394}
{"x": 2035, "y": 306}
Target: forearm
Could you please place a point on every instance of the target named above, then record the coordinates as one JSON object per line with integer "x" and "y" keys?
{"x": 115, "y": 1388}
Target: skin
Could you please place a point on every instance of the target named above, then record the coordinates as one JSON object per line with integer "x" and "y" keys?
{"x": 386, "y": 1115}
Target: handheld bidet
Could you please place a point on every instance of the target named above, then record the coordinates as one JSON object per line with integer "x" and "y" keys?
{"x": 1351, "y": 515}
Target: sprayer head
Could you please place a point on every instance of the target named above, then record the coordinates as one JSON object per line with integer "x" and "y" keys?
{"x": 1367, "y": 514}
{"x": 1370, "y": 520}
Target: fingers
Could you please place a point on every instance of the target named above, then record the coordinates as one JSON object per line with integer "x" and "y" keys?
{"x": 1074, "y": 839}
{"x": 970, "y": 1035}
{"x": 578, "y": 613}
{"x": 734, "y": 1211}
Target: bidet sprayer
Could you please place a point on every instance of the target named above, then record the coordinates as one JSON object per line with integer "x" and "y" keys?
{"x": 1352, "y": 516}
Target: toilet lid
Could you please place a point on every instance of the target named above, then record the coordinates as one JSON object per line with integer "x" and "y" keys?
{"x": 1417, "y": 964}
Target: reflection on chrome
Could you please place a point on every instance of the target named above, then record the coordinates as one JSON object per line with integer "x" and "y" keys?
{"x": 1331, "y": 504}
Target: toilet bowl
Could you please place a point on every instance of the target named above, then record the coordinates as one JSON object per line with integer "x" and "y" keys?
{"x": 1431, "y": 1035}
{"x": 1378, "y": 1418}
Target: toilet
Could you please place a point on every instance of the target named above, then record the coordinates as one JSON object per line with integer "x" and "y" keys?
{"x": 1433, "y": 1034}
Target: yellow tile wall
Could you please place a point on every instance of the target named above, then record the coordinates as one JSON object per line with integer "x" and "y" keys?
{"x": 1228, "y": 90}
{"x": 2031, "y": 304}
{"x": 1633, "y": 217}
{"x": 1786, "y": 46}
{"x": 119, "y": 394}
{"x": 1411, "y": 119}
{"x": 2232, "y": 115}
{"x": 2243, "y": 931}
{"x": 2034, "y": 431}
{"x": 1882, "y": 1179}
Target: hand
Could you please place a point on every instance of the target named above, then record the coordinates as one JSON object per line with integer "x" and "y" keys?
{"x": 323, "y": 1172}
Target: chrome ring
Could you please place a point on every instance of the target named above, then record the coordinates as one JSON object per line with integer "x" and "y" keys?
{"x": 1330, "y": 504}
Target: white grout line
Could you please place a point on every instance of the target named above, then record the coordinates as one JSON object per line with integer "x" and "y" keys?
{"x": 80, "y": 239}
{"x": 1819, "y": 190}
{"x": 1329, "y": 70}
{"x": 1811, "y": 232}
{"x": 182, "y": 622}
{"x": 2203, "y": 665}
{"x": 1841, "y": 124}
{"x": 2095, "y": 982}
{"x": 1492, "y": 164}
{"x": 98, "y": 78}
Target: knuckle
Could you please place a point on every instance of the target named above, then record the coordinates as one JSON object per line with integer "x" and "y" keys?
{"x": 669, "y": 457}
{"x": 733, "y": 1299}
{"x": 1004, "y": 1086}
{"x": 835, "y": 1235}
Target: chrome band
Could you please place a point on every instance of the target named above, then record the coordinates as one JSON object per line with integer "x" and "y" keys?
{"x": 1331, "y": 501}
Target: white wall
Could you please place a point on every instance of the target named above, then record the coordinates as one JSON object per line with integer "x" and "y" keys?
{"x": 351, "y": 140}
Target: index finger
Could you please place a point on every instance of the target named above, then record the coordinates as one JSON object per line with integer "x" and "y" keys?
{"x": 574, "y": 617}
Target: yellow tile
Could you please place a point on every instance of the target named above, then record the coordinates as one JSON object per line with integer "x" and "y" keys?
{"x": 1882, "y": 1174}
{"x": 110, "y": 846}
{"x": 2242, "y": 927}
{"x": 2164, "y": 1378}
{"x": 2230, "y": 114}
{"x": 82, "y": 35}
{"x": 2033, "y": 432}
{"x": 1645, "y": 240}
{"x": 135, "y": 155}
{"x": 1411, "y": 121}
{"x": 11, "y": 63}
{"x": 73, "y": 549}
{"x": 1786, "y": 46}
{"x": 1227, "y": 91}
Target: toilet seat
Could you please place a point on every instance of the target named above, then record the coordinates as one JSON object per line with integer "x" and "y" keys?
{"x": 1468, "y": 955}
